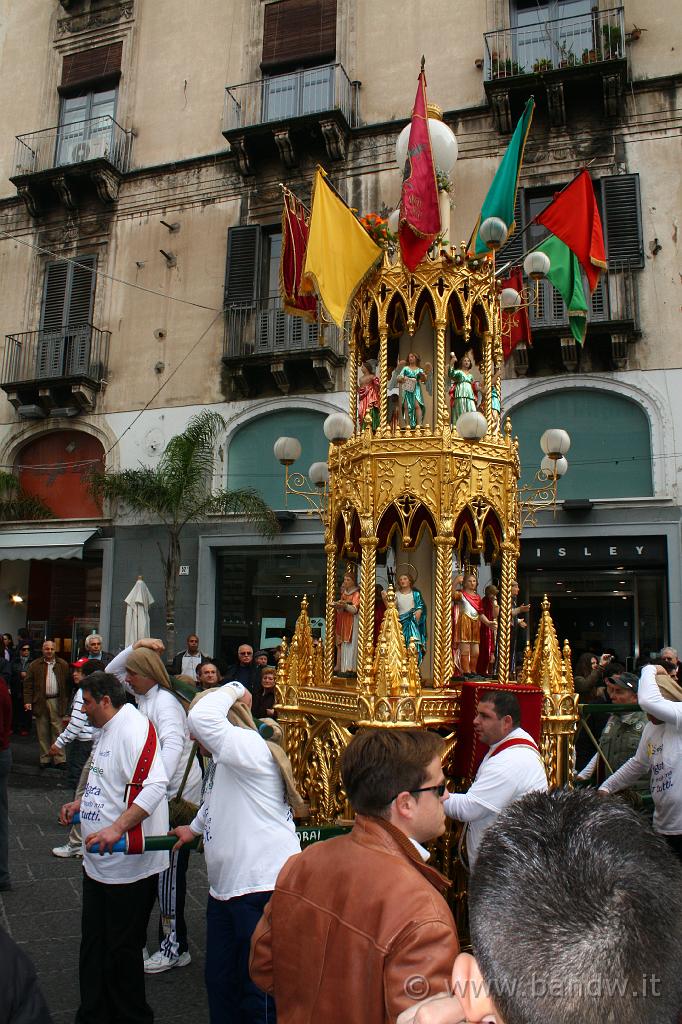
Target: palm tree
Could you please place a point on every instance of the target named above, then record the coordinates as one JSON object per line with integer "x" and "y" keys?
{"x": 178, "y": 491}
{"x": 15, "y": 503}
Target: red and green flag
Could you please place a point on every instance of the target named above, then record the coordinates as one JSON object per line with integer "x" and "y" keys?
{"x": 501, "y": 197}
{"x": 573, "y": 217}
{"x": 564, "y": 274}
{"x": 419, "y": 213}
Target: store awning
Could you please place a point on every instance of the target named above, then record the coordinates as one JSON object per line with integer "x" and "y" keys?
{"x": 24, "y": 545}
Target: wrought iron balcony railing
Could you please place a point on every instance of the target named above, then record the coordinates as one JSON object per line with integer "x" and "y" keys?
{"x": 284, "y": 97}
{"x": 263, "y": 329}
{"x": 558, "y": 43}
{"x": 614, "y": 301}
{"x": 68, "y": 145}
{"x": 53, "y": 356}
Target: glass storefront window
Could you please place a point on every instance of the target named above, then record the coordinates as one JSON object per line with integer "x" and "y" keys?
{"x": 259, "y": 593}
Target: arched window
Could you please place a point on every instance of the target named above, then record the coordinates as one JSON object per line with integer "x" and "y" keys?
{"x": 610, "y": 454}
{"x": 56, "y": 466}
{"x": 251, "y": 461}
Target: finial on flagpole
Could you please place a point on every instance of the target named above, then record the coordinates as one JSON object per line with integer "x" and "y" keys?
{"x": 423, "y": 62}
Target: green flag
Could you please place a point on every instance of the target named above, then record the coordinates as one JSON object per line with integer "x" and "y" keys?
{"x": 501, "y": 196}
{"x": 565, "y": 275}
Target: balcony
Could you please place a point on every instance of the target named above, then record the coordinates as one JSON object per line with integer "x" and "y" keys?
{"x": 612, "y": 323}
{"x": 265, "y": 348}
{"x": 564, "y": 55}
{"x": 288, "y": 112}
{"x": 55, "y": 372}
{"x": 68, "y": 161}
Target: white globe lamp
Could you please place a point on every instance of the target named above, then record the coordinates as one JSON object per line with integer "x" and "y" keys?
{"x": 494, "y": 233}
{"x": 472, "y": 426}
{"x": 555, "y": 442}
{"x": 338, "y": 427}
{"x": 287, "y": 450}
{"x": 319, "y": 474}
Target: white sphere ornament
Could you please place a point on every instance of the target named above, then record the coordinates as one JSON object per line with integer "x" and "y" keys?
{"x": 338, "y": 427}
{"x": 509, "y": 299}
{"x": 287, "y": 450}
{"x": 537, "y": 265}
{"x": 555, "y": 442}
{"x": 494, "y": 232}
{"x": 550, "y": 466}
{"x": 394, "y": 222}
{"x": 443, "y": 146}
{"x": 472, "y": 426}
{"x": 319, "y": 474}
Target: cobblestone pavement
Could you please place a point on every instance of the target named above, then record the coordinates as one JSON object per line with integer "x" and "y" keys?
{"x": 42, "y": 911}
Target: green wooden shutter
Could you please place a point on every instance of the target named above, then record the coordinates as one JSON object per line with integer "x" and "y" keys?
{"x": 622, "y": 211}
{"x": 243, "y": 265}
{"x": 64, "y": 341}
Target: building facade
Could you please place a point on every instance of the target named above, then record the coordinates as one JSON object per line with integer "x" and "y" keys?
{"x": 140, "y": 235}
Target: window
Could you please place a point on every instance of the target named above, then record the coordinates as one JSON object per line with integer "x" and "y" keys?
{"x": 298, "y": 93}
{"x": 65, "y": 321}
{"x": 88, "y": 90}
{"x": 551, "y": 30}
{"x": 256, "y": 322}
{"x": 610, "y": 455}
{"x": 298, "y": 33}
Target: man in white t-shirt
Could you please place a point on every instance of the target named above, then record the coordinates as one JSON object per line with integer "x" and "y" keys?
{"x": 659, "y": 753}
{"x": 125, "y": 796}
{"x": 248, "y": 827}
{"x": 511, "y": 768}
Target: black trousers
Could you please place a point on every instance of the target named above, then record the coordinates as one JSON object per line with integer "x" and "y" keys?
{"x": 113, "y": 932}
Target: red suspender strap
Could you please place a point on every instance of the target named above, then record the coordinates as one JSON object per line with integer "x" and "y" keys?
{"x": 515, "y": 743}
{"x": 134, "y": 838}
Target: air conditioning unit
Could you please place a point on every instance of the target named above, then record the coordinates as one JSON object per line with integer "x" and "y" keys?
{"x": 90, "y": 149}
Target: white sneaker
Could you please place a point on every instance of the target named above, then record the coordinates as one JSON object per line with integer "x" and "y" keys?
{"x": 159, "y": 962}
{"x": 67, "y": 851}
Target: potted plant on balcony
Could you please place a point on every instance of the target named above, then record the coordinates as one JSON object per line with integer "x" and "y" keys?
{"x": 505, "y": 68}
{"x": 611, "y": 39}
{"x": 591, "y": 56}
{"x": 566, "y": 57}
{"x": 543, "y": 64}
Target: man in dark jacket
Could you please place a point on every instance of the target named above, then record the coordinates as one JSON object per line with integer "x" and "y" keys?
{"x": 245, "y": 671}
{"x": 186, "y": 663}
{"x": 46, "y": 694}
{"x": 21, "y": 1001}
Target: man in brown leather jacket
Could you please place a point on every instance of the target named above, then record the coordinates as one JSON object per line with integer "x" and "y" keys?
{"x": 46, "y": 693}
{"x": 357, "y": 928}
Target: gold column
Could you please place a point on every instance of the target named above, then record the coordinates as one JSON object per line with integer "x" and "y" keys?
{"x": 442, "y": 415}
{"x": 488, "y": 376}
{"x": 504, "y": 627}
{"x": 368, "y": 564}
{"x": 383, "y": 376}
{"x": 330, "y": 621}
{"x": 442, "y": 619}
{"x": 353, "y": 384}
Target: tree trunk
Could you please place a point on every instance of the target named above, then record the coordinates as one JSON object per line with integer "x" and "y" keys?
{"x": 171, "y": 565}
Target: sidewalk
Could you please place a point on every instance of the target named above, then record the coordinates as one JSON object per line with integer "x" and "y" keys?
{"x": 42, "y": 911}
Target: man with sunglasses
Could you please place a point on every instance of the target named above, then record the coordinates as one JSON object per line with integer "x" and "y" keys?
{"x": 357, "y": 927}
{"x": 511, "y": 768}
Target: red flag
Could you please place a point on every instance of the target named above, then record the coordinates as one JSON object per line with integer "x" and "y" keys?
{"x": 294, "y": 242}
{"x": 419, "y": 214}
{"x": 518, "y": 321}
{"x": 574, "y": 218}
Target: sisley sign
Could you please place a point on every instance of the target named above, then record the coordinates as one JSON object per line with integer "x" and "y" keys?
{"x": 600, "y": 552}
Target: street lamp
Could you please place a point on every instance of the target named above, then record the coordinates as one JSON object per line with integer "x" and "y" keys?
{"x": 555, "y": 442}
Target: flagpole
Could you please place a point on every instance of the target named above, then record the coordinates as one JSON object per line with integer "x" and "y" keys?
{"x": 288, "y": 191}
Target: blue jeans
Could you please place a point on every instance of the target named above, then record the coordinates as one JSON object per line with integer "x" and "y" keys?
{"x": 232, "y": 996}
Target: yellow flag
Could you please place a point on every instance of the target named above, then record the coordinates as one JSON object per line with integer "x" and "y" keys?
{"x": 339, "y": 254}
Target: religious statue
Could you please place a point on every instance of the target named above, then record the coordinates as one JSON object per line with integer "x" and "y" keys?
{"x": 368, "y": 394}
{"x": 463, "y": 387}
{"x": 471, "y": 617}
{"x": 411, "y": 609}
{"x": 496, "y": 403}
{"x": 517, "y": 624}
{"x": 410, "y": 379}
{"x": 488, "y": 634}
{"x": 347, "y": 608}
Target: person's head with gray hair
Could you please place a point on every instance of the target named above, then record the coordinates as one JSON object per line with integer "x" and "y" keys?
{"x": 669, "y": 653}
{"x": 93, "y": 643}
{"x": 575, "y": 910}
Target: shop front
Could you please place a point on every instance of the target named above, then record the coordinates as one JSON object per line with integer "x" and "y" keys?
{"x": 605, "y": 591}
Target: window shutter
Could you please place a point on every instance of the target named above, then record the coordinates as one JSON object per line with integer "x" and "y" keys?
{"x": 90, "y": 66}
{"x": 622, "y": 220}
{"x": 82, "y": 291}
{"x": 54, "y": 296}
{"x": 515, "y": 247}
{"x": 298, "y": 32}
{"x": 243, "y": 265}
